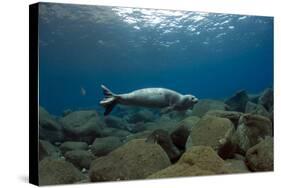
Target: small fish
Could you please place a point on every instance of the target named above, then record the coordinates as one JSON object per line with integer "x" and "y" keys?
{"x": 83, "y": 91}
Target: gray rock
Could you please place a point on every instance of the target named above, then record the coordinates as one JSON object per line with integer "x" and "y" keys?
{"x": 260, "y": 156}
{"x": 115, "y": 122}
{"x": 46, "y": 149}
{"x": 236, "y": 166}
{"x": 211, "y": 131}
{"x": 162, "y": 138}
{"x": 69, "y": 146}
{"x": 53, "y": 172}
{"x": 188, "y": 122}
{"x": 256, "y": 109}
{"x": 266, "y": 99}
{"x": 82, "y": 126}
{"x": 164, "y": 123}
{"x": 49, "y": 128}
{"x": 231, "y": 115}
{"x": 103, "y": 146}
{"x": 254, "y": 98}
{"x": 141, "y": 116}
{"x": 139, "y": 135}
{"x": 136, "y": 159}
{"x": 251, "y": 129}
{"x": 204, "y": 105}
{"x": 80, "y": 158}
{"x": 66, "y": 112}
{"x": 238, "y": 101}
{"x": 179, "y": 135}
{"x": 115, "y": 132}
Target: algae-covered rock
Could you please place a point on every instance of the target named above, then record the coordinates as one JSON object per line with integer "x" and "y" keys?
{"x": 204, "y": 105}
{"x": 238, "y": 101}
{"x": 80, "y": 158}
{"x": 266, "y": 99}
{"x": 256, "y": 109}
{"x": 46, "y": 149}
{"x": 136, "y": 159}
{"x": 102, "y": 146}
{"x": 198, "y": 160}
{"x": 162, "y": 138}
{"x": 231, "y": 115}
{"x": 82, "y": 126}
{"x": 49, "y": 128}
{"x": 188, "y": 122}
{"x": 180, "y": 170}
{"x": 143, "y": 115}
{"x": 210, "y": 131}
{"x": 69, "y": 146}
{"x": 204, "y": 157}
{"x": 182, "y": 130}
{"x": 58, "y": 172}
{"x": 260, "y": 156}
{"x": 251, "y": 129}
{"x": 164, "y": 123}
{"x": 236, "y": 166}
{"x": 114, "y": 132}
{"x": 115, "y": 122}
{"x": 139, "y": 135}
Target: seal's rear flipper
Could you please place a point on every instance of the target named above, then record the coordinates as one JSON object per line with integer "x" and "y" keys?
{"x": 109, "y": 100}
{"x": 109, "y": 108}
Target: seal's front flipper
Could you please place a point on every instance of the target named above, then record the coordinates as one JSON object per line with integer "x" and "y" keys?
{"x": 109, "y": 101}
{"x": 167, "y": 110}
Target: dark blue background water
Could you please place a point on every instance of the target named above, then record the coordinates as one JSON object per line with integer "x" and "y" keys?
{"x": 207, "y": 55}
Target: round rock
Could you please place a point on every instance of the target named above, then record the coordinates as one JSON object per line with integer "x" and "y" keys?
{"x": 136, "y": 159}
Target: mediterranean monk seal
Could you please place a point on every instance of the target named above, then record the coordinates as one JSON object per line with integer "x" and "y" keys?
{"x": 148, "y": 97}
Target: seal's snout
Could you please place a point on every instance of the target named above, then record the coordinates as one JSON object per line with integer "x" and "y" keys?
{"x": 194, "y": 99}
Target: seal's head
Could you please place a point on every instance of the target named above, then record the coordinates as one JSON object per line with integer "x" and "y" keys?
{"x": 187, "y": 101}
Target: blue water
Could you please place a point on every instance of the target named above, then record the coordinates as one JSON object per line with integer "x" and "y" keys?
{"x": 206, "y": 54}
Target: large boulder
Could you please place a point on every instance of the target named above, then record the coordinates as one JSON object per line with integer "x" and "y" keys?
{"x": 266, "y": 99}
{"x": 69, "y": 146}
{"x": 204, "y": 105}
{"x": 139, "y": 135}
{"x": 82, "y": 126}
{"x": 251, "y": 129}
{"x": 198, "y": 160}
{"x": 256, "y": 109}
{"x": 143, "y": 115}
{"x": 46, "y": 149}
{"x": 210, "y": 131}
{"x": 236, "y": 166}
{"x": 80, "y": 158}
{"x": 180, "y": 170}
{"x": 115, "y": 122}
{"x": 164, "y": 123}
{"x": 53, "y": 172}
{"x": 162, "y": 138}
{"x": 182, "y": 130}
{"x": 136, "y": 159}
{"x": 238, "y": 101}
{"x": 231, "y": 115}
{"x": 260, "y": 156}
{"x": 102, "y": 146}
{"x": 49, "y": 128}
{"x": 188, "y": 122}
{"x": 115, "y": 132}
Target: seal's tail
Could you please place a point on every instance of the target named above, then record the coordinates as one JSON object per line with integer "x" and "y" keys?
{"x": 109, "y": 100}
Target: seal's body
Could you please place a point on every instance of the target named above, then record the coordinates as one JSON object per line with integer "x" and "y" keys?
{"x": 148, "y": 97}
